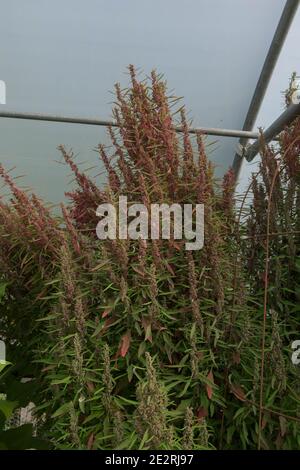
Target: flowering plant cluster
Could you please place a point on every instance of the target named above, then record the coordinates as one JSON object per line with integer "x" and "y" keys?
{"x": 140, "y": 343}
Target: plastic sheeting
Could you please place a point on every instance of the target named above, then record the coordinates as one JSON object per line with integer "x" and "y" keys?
{"x": 63, "y": 57}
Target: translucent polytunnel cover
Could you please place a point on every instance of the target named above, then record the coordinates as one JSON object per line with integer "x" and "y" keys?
{"x": 63, "y": 57}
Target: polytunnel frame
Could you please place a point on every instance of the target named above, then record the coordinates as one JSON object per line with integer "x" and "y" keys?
{"x": 244, "y": 150}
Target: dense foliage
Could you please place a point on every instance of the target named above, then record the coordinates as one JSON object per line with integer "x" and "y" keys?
{"x": 15, "y": 394}
{"x": 140, "y": 343}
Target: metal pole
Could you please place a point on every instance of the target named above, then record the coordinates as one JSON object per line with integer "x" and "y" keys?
{"x": 284, "y": 119}
{"x": 53, "y": 118}
{"x": 282, "y": 29}
{"x": 99, "y": 122}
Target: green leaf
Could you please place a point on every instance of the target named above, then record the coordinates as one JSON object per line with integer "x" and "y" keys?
{"x": 127, "y": 401}
{"x": 142, "y": 349}
{"x": 148, "y": 333}
{"x": 193, "y": 330}
{"x": 2, "y": 290}
{"x": 130, "y": 372}
{"x": 3, "y": 364}
{"x": 187, "y": 385}
{"x": 128, "y": 443}
{"x": 65, "y": 380}
{"x": 7, "y": 407}
{"x": 144, "y": 440}
{"x": 65, "y": 408}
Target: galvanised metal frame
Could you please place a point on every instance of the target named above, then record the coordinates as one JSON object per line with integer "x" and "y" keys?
{"x": 282, "y": 29}
{"x": 99, "y": 122}
{"x": 276, "y": 127}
